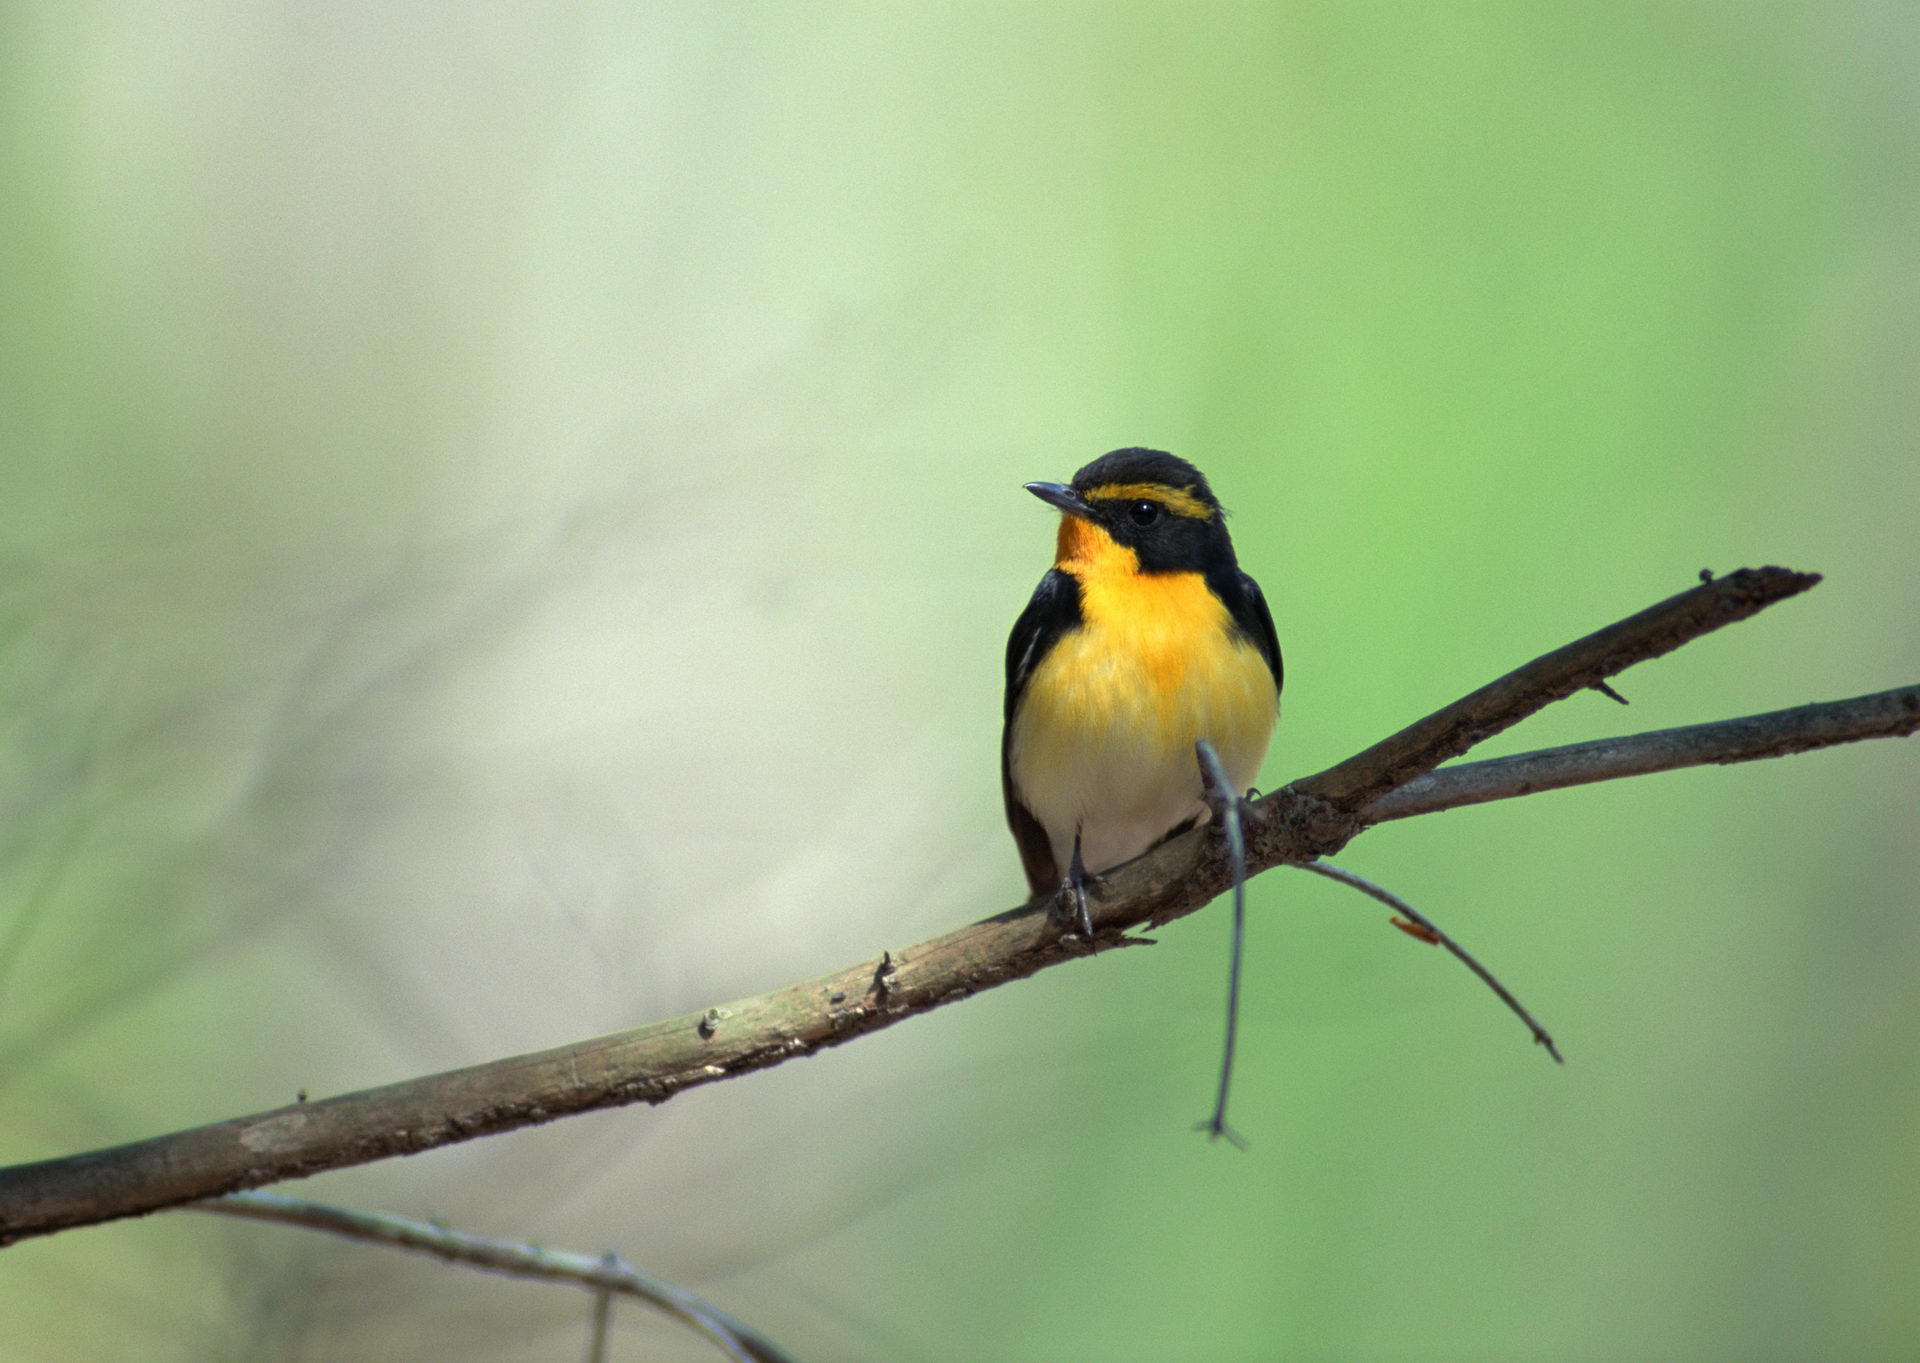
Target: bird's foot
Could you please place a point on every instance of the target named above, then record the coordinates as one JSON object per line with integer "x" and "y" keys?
{"x": 1074, "y": 908}
{"x": 1073, "y": 901}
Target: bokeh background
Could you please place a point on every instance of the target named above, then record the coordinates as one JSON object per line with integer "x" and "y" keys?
{"x": 508, "y": 520}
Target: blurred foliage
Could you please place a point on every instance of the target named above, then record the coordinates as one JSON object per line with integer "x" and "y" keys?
{"x": 507, "y": 525}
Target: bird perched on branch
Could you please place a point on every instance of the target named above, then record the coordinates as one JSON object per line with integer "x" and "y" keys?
{"x": 1143, "y": 639}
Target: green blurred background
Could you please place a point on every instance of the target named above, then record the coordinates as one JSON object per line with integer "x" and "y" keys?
{"x": 508, "y": 520}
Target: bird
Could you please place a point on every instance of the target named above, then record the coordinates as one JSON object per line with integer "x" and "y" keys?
{"x": 1143, "y": 638}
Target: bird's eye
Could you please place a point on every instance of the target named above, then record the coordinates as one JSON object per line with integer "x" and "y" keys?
{"x": 1144, "y": 513}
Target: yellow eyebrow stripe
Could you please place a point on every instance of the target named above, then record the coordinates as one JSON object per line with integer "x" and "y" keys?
{"x": 1179, "y": 500}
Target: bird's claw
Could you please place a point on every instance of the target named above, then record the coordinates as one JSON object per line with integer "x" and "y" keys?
{"x": 1074, "y": 906}
{"x": 1073, "y": 902}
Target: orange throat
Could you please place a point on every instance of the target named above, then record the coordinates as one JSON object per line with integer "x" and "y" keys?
{"x": 1084, "y": 549}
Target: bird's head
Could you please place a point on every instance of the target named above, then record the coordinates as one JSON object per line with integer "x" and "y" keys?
{"x": 1142, "y": 511}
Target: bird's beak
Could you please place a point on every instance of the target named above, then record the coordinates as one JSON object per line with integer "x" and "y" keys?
{"x": 1062, "y": 496}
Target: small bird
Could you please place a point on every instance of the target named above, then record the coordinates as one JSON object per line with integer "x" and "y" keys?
{"x": 1144, "y": 638}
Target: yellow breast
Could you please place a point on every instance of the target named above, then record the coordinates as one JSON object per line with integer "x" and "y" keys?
{"x": 1103, "y": 740}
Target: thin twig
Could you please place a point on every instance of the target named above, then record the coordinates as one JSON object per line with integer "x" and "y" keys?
{"x": 1226, "y": 804}
{"x": 1313, "y": 818}
{"x": 601, "y": 1323}
{"x": 1430, "y": 931}
{"x": 606, "y": 1274}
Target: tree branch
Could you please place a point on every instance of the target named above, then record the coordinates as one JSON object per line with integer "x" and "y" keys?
{"x": 650, "y": 1064}
{"x": 1473, "y": 719}
{"x": 1885, "y": 714}
{"x": 740, "y": 1341}
{"x": 1422, "y": 928}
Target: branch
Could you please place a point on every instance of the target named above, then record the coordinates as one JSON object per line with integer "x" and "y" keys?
{"x": 740, "y": 1341}
{"x": 650, "y": 1064}
{"x": 1885, "y": 714}
{"x": 1422, "y": 928}
{"x": 1473, "y": 719}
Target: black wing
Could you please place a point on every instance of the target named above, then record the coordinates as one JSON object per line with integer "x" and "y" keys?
{"x": 1248, "y": 606}
{"x": 1054, "y": 609}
